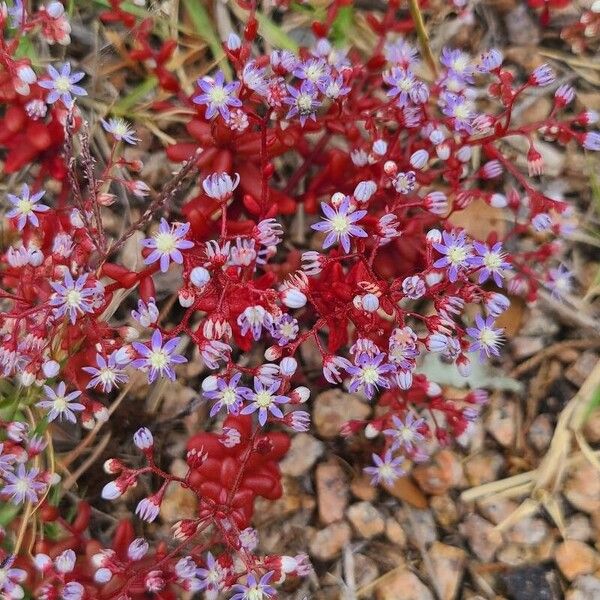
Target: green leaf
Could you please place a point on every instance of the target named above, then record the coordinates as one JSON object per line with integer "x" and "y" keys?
{"x": 274, "y": 34}
{"x": 124, "y": 106}
{"x": 129, "y": 7}
{"x": 482, "y": 375}
{"x": 593, "y": 404}
{"x": 8, "y": 512}
{"x": 204, "y": 27}
{"x": 342, "y": 27}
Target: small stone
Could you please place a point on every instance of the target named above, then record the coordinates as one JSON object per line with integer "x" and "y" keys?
{"x": 403, "y": 584}
{"x": 394, "y": 532}
{"x": 591, "y": 428}
{"x": 582, "y": 488}
{"x": 540, "y": 432}
{"x": 528, "y": 531}
{"x": 539, "y": 324}
{"x": 291, "y": 501}
{"x": 578, "y": 527}
{"x": 483, "y": 467}
{"x": 363, "y": 489}
{"x": 483, "y": 539}
{"x": 444, "y": 510}
{"x": 332, "y": 492}
{"x": 333, "y": 408}
{"x": 366, "y": 519}
{"x": 516, "y": 555}
{"x": 525, "y": 346}
{"x": 528, "y": 583}
{"x": 404, "y": 488}
{"x": 575, "y": 558}
{"x": 328, "y": 543}
{"x": 304, "y": 452}
{"x": 501, "y": 422}
{"x": 178, "y": 502}
{"x": 448, "y": 564}
{"x": 497, "y": 509}
{"x": 365, "y": 570}
{"x": 442, "y": 473}
{"x": 586, "y": 587}
{"x": 578, "y": 372}
{"x": 419, "y": 525}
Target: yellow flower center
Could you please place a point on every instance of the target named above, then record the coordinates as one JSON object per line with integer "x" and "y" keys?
{"x": 218, "y": 96}
{"x": 165, "y": 242}
{"x": 25, "y": 207}
{"x": 158, "y": 359}
{"x": 263, "y": 399}
{"x": 62, "y": 84}
{"x": 339, "y": 223}
{"x": 73, "y": 298}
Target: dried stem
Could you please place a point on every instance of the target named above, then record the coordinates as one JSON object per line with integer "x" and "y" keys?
{"x": 168, "y": 194}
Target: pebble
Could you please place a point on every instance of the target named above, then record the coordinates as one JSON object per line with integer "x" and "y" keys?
{"x": 578, "y": 527}
{"x": 529, "y": 531}
{"x": 574, "y": 558}
{"x": 578, "y": 372}
{"x": 540, "y": 324}
{"x": 529, "y": 583}
{"x": 419, "y": 526}
{"x": 403, "y": 584}
{"x": 365, "y": 570}
{"x": 540, "y": 432}
{"x": 178, "y": 502}
{"x": 366, "y": 519}
{"x": 362, "y": 488}
{"x": 333, "y": 408}
{"x": 482, "y": 537}
{"x": 586, "y": 587}
{"x": 518, "y": 554}
{"x": 445, "y": 510}
{"x": 394, "y": 532}
{"x": 291, "y": 501}
{"x": 582, "y": 488}
{"x": 332, "y": 492}
{"x": 328, "y": 542}
{"x": 304, "y": 452}
{"x": 501, "y": 421}
{"x": 497, "y": 509}
{"x": 448, "y": 563}
{"x": 525, "y": 346}
{"x": 442, "y": 473}
{"x": 484, "y": 467}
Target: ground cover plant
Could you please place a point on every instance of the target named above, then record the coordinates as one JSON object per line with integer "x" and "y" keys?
{"x": 262, "y": 217}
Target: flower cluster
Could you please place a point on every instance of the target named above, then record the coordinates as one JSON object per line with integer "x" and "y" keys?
{"x": 324, "y": 202}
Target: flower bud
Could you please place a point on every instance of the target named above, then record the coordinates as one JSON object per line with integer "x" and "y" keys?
{"x": 55, "y": 10}
{"x": 103, "y": 575}
{"x": 371, "y": 431}
{"x": 370, "y": 302}
{"x": 364, "y": 190}
{"x": 498, "y": 201}
{"x": 50, "y": 368}
{"x": 380, "y": 147}
{"x": 137, "y": 549}
{"x": 434, "y": 236}
{"x": 288, "y": 366}
{"x": 209, "y": 384}
{"x": 273, "y": 353}
{"x": 390, "y": 168}
{"x": 111, "y": 491}
{"x": 293, "y": 298}
{"x": 199, "y": 276}
{"x": 186, "y": 297}
{"x": 419, "y": 159}
{"x": 299, "y": 395}
{"x": 143, "y": 438}
{"x": 233, "y": 42}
